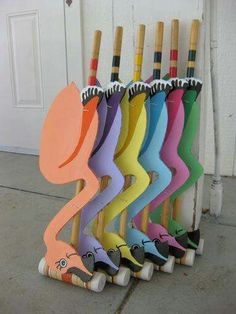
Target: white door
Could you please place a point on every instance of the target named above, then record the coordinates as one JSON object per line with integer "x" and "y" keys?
{"x": 32, "y": 68}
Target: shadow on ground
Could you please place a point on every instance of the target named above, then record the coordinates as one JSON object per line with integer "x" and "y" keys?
{"x": 27, "y": 203}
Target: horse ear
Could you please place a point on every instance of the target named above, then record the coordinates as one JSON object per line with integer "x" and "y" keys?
{"x": 61, "y": 131}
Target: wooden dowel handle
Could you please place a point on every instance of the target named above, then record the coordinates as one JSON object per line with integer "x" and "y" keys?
{"x": 165, "y": 215}
{"x": 174, "y": 47}
{"x": 159, "y": 36}
{"x": 145, "y": 211}
{"x": 94, "y": 58}
{"x": 192, "y": 48}
{"x": 139, "y": 53}
{"x": 74, "y": 239}
{"x": 96, "y": 44}
{"x": 116, "y": 54}
{"x": 101, "y": 215}
{"x": 176, "y": 208}
{"x": 158, "y": 50}
{"x": 123, "y": 221}
{"x": 124, "y": 214}
{"x": 194, "y": 35}
{"x": 140, "y": 38}
{"x": 118, "y": 41}
{"x": 174, "y": 34}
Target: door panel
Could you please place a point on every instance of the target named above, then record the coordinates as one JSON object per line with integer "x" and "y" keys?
{"x": 33, "y": 69}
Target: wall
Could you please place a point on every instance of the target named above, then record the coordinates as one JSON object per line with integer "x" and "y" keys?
{"x": 84, "y": 16}
{"x": 226, "y": 63}
{"x": 96, "y": 14}
{"x": 106, "y": 15}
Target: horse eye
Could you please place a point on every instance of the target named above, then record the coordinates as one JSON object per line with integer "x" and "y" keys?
{"x": 62, "y": 263}
{"x": 89, "y": 254}
{"x": 135, "y": 246}
{"x": 110, "y": 251}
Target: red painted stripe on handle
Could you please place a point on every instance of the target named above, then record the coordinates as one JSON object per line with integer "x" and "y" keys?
{"x": 94, "y": 64}
{"x": 92, "y": 80}
{"x": 173, "y": 71}
{"x": 93, "y": 67}
{"x": 174, "y": 54}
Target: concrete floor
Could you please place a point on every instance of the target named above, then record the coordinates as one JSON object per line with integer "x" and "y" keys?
{"x": 27, "y": 203}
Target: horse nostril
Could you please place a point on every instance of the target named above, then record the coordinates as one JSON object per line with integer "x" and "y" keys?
{"x": 138, "y": 253}
{"x": 183, "y": 240}
{"x": 163, "y": 248}
{"x": 89, "y": 262}
{"x": 176, "y": 252}
{"x": 114, "y": 256}
{"x": 194, "y": 236}
{"x": 111, "y": 271}
{"x": 79, "y": 273}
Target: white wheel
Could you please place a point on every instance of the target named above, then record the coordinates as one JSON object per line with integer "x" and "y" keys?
{"x": 199, "y": 250}
{"x": 146, "y": 272}
{"x": 97, "y": 282}
{"x": 41, "y": 266}
{"x": 168, "y": 267}
{"x": 121, "y": 278}
{"x": 187, "y": 259}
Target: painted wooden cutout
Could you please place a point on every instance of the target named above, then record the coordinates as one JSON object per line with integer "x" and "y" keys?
{"x": 102, "y": 164}
{"x": 187, "y": 140}
{"x": 169, "y": 151}
{"x": 87, "y": 245}
{"x": 191, "y": 125}
{"x": 133, "y": 258}
{"x": 134, "y": 237}
{"x": 111, "y": 241}
{"x": 156, "y": 252}
{"x": 67, "y": 140}
{"x": 149, "y": 156}
{"x": 112, "y": 179}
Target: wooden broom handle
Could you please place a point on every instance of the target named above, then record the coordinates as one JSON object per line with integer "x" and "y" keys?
{"x": 74, "y": 239}
{"x": 192, "y": 48}
{"x": 174, "y": 47}
{"x": 177, "y": 204}
{"x": 145, "y": 211}
{"x": 100, "y": 218}
{"x": 165, "y": 216}
{"x": 116, "y": 54}
{"x": 91, "y": 81}
{"x": 94, "y": 58}
{"x": 101, "y": 215}
{"x": 124, "y": 214}
{"x": 139, "y": 53}
{"x": 158, "y": 50}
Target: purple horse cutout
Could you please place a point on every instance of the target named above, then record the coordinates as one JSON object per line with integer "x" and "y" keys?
{"x": 102, "y": 164}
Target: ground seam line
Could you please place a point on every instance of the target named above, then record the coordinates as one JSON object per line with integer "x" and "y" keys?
{"x": 127, "y": 296}
{"x": 34, "y": 192}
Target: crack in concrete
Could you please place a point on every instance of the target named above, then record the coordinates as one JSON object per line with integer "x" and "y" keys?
{"x": 127, "y": 296}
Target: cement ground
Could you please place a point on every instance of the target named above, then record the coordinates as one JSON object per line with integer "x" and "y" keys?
{"x": 27, "y": 202}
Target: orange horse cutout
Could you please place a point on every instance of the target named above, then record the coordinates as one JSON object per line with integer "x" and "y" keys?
{"x": 68, "y": 137}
